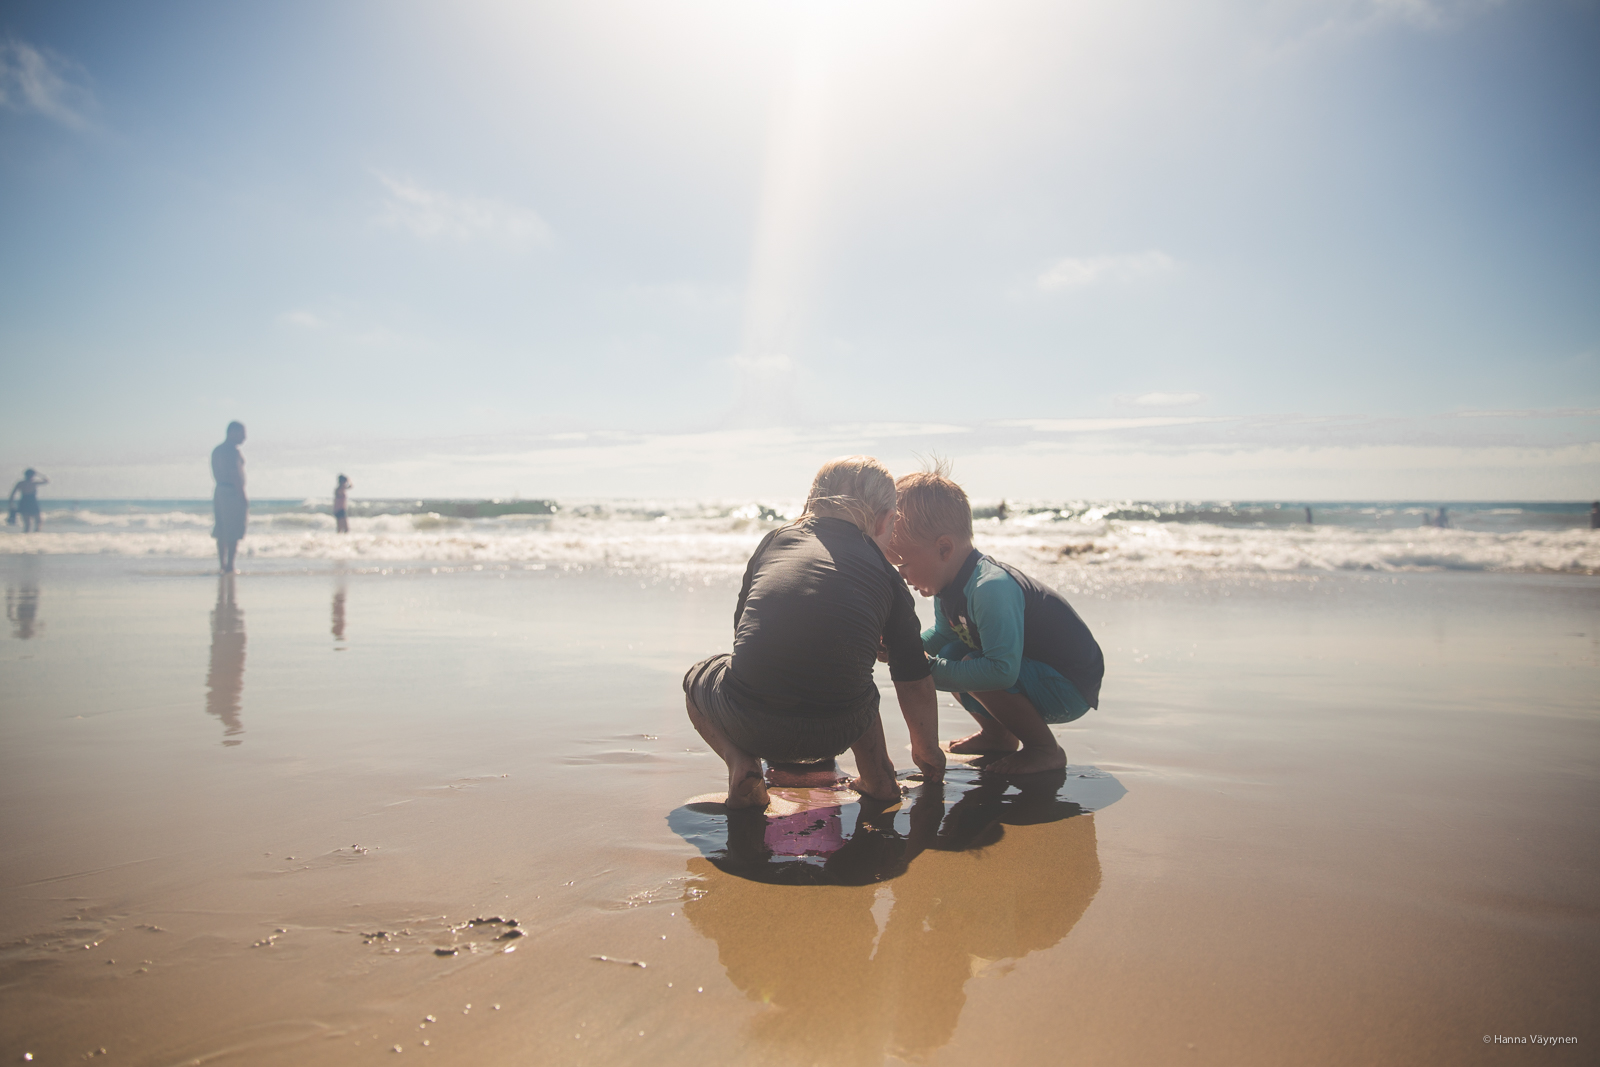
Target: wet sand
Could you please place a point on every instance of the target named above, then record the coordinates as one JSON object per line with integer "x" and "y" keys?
{"x": 242, "y": 823}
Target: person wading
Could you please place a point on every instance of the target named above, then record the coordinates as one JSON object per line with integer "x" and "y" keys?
{"x": 229, "y": 505}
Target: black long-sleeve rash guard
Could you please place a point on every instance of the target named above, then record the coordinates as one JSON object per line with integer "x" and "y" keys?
{"x": 818, "y": 595}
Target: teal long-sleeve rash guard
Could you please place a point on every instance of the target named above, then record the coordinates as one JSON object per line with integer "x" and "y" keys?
{"x": 991, "y": 625}
{"x": 1002, "y": 614}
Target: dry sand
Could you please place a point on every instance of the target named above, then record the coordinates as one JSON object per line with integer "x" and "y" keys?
{"x": 1360, "y": 826}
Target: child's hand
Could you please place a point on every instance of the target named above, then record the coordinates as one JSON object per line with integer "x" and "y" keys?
{"x": 883, "y": 651}
{"x": 930, "y": 762}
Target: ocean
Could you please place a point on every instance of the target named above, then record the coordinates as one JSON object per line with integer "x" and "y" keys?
{"x": 1077, "y": 541}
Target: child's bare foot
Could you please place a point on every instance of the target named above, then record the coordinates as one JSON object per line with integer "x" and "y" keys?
{"x": 878, "y": 783}
{"x": 746, "y": 787}
{"x": 985, "y": 742}
{"x": 1030, "y": 760}
{"x": 886, "y": 792}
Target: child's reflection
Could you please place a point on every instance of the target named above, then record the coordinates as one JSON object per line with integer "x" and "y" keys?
{"x": 855, "y": 965}
{"x": 225, "y": 680}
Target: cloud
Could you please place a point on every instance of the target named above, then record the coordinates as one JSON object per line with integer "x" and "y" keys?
{"x": 1530, "y": 413}
{"x": 43, "y": 82}
{"x": 762, "y": 367}
{"x": 1343, "y": 20}
{"x": 766, "y": 389}
{"x": 1162, "y": 400}
{"x": 431, "y": 214}
{"x": 346, "y": 332}
{"x": 1077, "y": 469}
{"x": 1419, "y": 14}
{"x": 1142, "y": 422}
{"x": 691, "y": 297}
{"x": 777, "y": 462}
{"x": 1074, "y": 273}
{"x": 870, "y": 430}
{"x": 1261, "y": 457}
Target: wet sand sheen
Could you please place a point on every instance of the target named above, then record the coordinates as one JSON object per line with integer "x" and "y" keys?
{"x": 1359, "y": 826}
{"x": 876, "y": 957}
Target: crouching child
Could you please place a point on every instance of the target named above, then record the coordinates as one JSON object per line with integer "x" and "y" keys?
{"x": 1010, "y": 648}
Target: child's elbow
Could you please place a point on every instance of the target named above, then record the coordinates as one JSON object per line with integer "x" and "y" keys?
{"x": 997, "y": 675}
{"x": 1007, "y": 669}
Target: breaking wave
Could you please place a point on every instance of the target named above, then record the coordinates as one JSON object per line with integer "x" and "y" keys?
{"x": 1082, "y": 539}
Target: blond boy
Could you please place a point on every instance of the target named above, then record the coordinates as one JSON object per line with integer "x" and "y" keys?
{"x": 1011, "y": 648}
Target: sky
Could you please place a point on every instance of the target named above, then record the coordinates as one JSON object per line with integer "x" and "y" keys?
{"x": 1211, "y": 249}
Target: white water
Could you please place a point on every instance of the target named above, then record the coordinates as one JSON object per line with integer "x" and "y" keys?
{"x": 704, "y": 539}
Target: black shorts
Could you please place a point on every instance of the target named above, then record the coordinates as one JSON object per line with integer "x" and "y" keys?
{"x": 773, "y": 737}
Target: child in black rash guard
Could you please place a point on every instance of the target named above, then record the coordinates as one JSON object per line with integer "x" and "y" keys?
{"x": 819, "y": 600}
{"x": 1011, "y": 648}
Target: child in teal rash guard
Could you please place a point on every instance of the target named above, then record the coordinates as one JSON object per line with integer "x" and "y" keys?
{"x": 1011, "y": 648}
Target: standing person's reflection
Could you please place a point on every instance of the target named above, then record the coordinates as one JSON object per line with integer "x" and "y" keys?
{"x": 225, "y": 680}
{"x": 338, "y": 612}
{"x": 22, "y": 599}
{"x": 229, "y": 505}
{"x": 997, "y": 878}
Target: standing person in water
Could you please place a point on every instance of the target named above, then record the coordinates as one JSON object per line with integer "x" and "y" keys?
{"x": 229, "y": 504}
{"x": 24, "y": 499}
{"x": 819, "y": 600}
{"x": 341, "y": 503}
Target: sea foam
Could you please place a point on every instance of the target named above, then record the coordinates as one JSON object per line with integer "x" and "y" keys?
{"x": 696, "y": 538}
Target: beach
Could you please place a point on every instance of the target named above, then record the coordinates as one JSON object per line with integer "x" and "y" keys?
{"x": 400, "y": 395}
{"x": 1320, "y": 817}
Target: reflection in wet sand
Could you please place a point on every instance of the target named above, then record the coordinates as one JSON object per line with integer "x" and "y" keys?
{"x": 22, "y": 600}
{"x": 225, "y": 680}
{"x": 338, "y": 612}
{"x": 863, "y": 945}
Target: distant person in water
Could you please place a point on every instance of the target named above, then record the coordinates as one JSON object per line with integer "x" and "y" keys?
{"x": 229, "y": 505}
{"x": 818, "y": 602}
{"x": 1010, "y": 648}
{"x": 341, "y": 503}
{"x": 1594, "y": 515}
{"x": 1309, "y": 520}
{"x": 1443, "y": 519}
{"x": 24, "y": 500}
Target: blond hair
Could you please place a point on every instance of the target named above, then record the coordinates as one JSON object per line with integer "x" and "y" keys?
{"x": 933, "y": 506}
{"x": 856, "y": 488}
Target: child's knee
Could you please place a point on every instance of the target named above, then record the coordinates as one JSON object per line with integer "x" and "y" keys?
{"x": 973, "y": 706}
